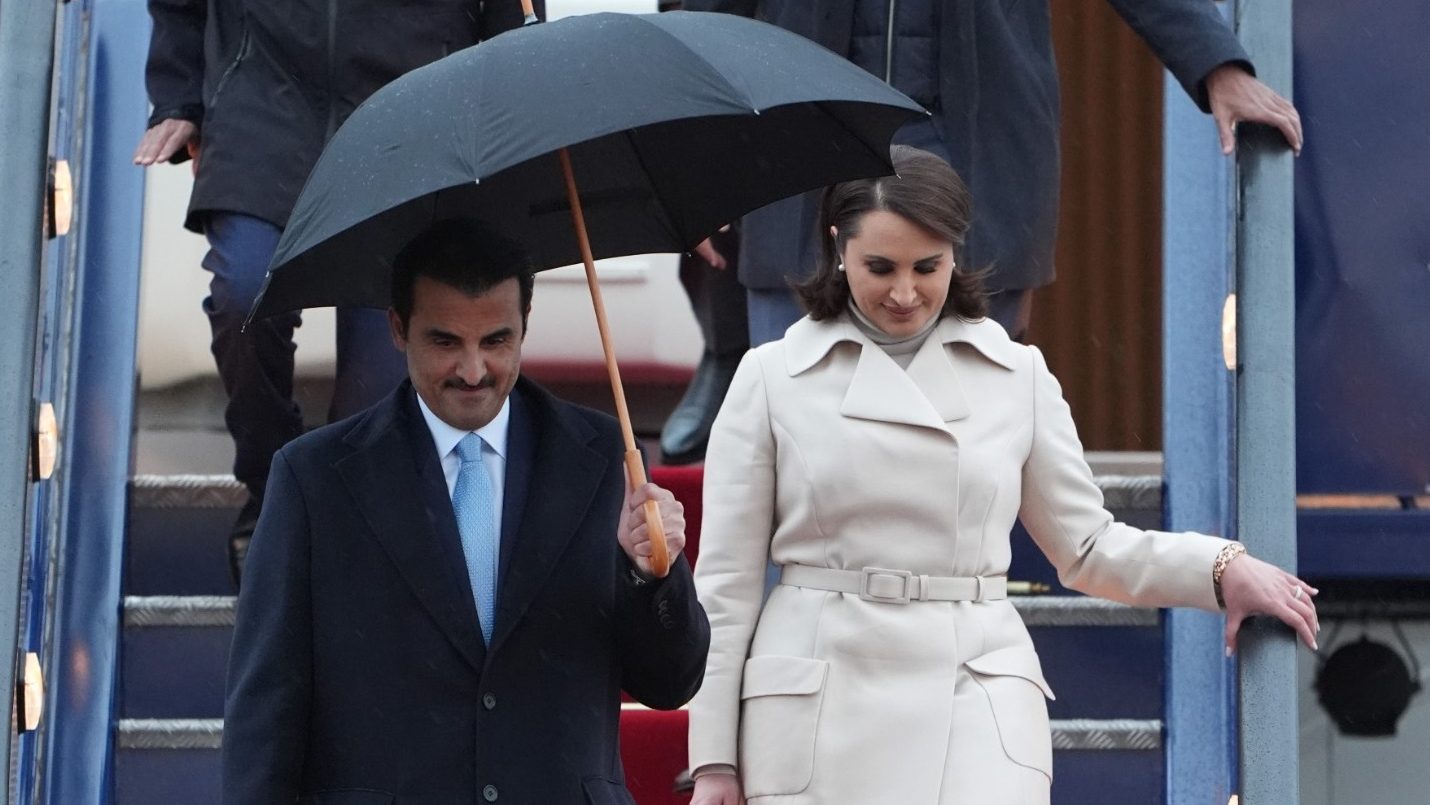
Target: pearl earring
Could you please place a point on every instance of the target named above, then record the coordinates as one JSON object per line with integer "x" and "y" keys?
{"x": 841, "y": 266}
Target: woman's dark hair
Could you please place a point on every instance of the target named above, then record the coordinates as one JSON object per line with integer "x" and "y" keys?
{"x": 466, "y": 254}
{"x": 924, "y": 190}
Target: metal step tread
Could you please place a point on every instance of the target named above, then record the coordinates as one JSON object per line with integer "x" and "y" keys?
{"x": 1077, "y": 734}
{"x": 186, "y": 492}
{"x": 179, "y": 610}
{"x": 170, "y": 733}
{"x": 1036, "y": 610}
{"x": 1107, "y": 734}
{"x": 1120, "y": 492}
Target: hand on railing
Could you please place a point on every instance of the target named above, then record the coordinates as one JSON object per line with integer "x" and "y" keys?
{"x": 1253, "y": 587}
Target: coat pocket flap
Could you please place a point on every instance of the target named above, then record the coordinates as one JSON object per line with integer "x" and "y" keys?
{"x": 1013, "y": 661}
{"x": 782, "y": 676}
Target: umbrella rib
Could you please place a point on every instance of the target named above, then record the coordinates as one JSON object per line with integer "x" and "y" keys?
{"x": 744, "y": 92}
{"x": 884, "y": 157}
{"x": 668, "y": 221}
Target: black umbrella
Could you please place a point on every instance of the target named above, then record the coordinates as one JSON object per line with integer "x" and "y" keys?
{"x": 675, "y": 124}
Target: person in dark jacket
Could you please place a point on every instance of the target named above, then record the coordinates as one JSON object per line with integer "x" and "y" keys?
{"x": 985, "y": 69}
{"x": 252, "y": 91}
{"x": 448, "y": 592}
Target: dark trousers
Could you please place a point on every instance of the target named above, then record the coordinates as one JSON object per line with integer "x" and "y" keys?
{"x": 256, "y": 365}
{"x": 718, "y": 301}
{"x": 717, "y": 298}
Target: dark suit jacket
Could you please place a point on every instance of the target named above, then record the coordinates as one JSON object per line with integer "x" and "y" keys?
{"x": 359, "y": 673}
{"x": 997, "y": 118}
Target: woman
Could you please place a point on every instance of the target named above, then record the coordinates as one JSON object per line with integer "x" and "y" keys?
{"x": 879, "y": 454}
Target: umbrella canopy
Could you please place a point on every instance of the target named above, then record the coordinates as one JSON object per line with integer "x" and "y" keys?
{"x": 676, "y": 124}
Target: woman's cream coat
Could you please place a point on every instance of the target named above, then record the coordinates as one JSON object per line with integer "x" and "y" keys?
{"x": 827, "y": 453}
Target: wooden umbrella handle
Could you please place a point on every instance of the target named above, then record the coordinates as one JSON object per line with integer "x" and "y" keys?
{"x": 660, "y": 553}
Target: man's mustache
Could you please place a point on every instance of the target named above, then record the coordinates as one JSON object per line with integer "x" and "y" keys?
{"x": 459, "y": 384}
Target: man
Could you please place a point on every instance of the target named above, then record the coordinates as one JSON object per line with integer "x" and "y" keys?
{"x": 252, "y": 91}
{"x": 985, "y": 69}
{"x": 447, "y": 593}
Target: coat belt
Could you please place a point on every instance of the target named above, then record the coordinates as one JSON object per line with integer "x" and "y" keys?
{"x": 895, "y": 586}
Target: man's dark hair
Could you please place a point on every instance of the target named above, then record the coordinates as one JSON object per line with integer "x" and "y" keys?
{"x": 923, "y": 189}
{"x": 464, "y": 253}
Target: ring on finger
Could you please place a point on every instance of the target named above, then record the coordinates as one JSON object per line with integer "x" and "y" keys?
{"x": 1298, "y": 593}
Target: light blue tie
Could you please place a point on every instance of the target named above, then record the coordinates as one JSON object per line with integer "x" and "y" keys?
{"x": 477, "y": 523}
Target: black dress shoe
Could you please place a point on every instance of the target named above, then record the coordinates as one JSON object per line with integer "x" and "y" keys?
{"x": 241, "y": 535}
{"x": 683, "y": 439}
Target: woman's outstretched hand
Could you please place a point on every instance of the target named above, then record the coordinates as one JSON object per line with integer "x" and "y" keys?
{"x": 1250, "y": 586}
{"x": 717, "y": 789}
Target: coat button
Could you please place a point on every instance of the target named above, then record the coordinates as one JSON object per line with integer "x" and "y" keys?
{"x": 489, "y": 793}
{"x": 489, "y": 701}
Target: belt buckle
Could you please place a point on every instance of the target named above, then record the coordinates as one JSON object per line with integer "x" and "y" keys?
{"x": 866, "y": 593}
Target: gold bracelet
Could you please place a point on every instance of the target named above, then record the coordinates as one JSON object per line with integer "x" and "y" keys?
{"x": 1228, "y": 553}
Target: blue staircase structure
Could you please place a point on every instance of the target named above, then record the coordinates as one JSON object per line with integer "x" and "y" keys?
{"x": 143, "y": 605}
{"x": 141, "y": 722}
{"x": 178, "y": 620}
{"x": 127, "y": 595}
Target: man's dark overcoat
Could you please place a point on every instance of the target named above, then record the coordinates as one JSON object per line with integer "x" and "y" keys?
{"x": 358, "y": 673}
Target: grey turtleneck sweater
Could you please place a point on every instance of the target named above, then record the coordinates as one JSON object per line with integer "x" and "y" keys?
{"x": 901, "y": 349}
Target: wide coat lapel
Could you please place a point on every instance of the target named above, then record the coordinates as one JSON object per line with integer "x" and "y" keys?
{"x": 520, "y": 457}
{"x": 563, "y": 476}
{"x": 928, "y": 395}
{"x": 879, "y": 389}
{"x": 396, "y": 480}
{"x": 935, "y": 374}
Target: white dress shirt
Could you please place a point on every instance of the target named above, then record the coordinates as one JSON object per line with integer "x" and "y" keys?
{"x": 493, "y": 436}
